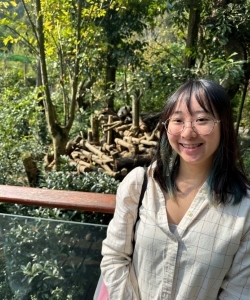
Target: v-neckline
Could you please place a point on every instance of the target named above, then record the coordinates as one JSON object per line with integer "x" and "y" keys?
{"x": 191, "y": 211}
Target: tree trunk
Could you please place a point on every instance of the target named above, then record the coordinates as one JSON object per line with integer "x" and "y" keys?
{"x": 110, "y": 80}
{"x": 192, "y": 36}
{"x": 58, "y": 133}
{"x": 244, "y": 93}
{"x": 60, "y": 139}
{"x": 31, "y": 170}
{"x": 136, "y": 110}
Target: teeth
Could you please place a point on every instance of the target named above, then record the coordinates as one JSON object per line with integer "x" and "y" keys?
{"x": 191, "y": 146}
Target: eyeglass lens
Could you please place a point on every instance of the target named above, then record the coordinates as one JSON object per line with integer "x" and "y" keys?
{"x": 201, "y": 126}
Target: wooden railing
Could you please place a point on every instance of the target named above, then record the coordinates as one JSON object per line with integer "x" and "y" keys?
{"x": 103, "y": 203}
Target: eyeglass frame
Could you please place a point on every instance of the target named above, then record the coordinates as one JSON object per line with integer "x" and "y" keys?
{"x": 193, "y": 128}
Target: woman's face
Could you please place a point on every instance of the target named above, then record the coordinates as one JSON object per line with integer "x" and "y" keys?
{"x": 194, "y": 149}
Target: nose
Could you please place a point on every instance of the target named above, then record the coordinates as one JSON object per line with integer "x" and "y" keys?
{"x": 188, "y": 130}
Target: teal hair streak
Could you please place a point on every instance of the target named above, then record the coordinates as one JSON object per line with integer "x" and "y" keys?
{"x": 167, "y": 159}
{"x": 211, "y": 193}
{"x": 233, "y": 193}
{"x": 215, "y": 176}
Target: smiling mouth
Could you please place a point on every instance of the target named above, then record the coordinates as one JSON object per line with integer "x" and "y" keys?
{"x": 193, "y": 146}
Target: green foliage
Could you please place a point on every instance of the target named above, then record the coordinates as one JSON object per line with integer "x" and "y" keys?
{"x": 245, "y": 120}
{"x": 246, "y": 159}
{"x": 66, "y": 179}
{"x": 16, "y": 58}
{"x": 5, "y": 290}
{"x": 147, "y": 53}
{"x": 20, "y": 128}
{"x": 91, "y": 181}
{"x": 227, "y": 70}
{"x": 81, "y": 123}
{"x": 49, "y": 260}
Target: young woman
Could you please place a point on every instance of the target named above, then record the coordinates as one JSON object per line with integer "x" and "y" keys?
{"x": 192, "y": 240}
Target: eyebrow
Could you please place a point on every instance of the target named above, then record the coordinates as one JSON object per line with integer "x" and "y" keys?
{"x": 194, "y": 113}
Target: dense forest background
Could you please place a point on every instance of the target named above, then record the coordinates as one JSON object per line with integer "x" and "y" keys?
{"x": 61, "y": 61}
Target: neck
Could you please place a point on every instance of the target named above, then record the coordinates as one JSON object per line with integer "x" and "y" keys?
{"x": 191, "y": 175}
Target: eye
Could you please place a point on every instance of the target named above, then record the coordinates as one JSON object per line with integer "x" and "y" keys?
{"x": 176, "y": 121}
{"x": 202, "y": 120}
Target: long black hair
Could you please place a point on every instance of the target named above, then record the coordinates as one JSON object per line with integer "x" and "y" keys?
{"x": 227, "y": 180}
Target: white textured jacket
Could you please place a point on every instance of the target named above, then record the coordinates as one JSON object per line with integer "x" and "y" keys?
{"x": 206, "y": 257}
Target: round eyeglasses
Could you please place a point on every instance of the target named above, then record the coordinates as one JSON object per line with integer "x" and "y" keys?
{"x": 201, "y": 126}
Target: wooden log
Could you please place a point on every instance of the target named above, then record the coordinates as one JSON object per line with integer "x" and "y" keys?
{"x": 151, "y": 119}
{"x": 124, "y": 144}
{"x": 104, "y": 118}
{"x": 72, "y": 162}
{"x": 90, "y": 157}
{"x": 132, "y": 131}
{"x": 114, "y": 154}
{"x": 94, "y": 158}
{"x": 142, "y": 148}
{"x": 83, "y": 163}
{"x": 120, "y": 148}
{"x": 111, "y": 125}
{"x": 108, "y": 170}
{"x": 75, "y": 154}
{"x": 106, "y": 147}
{"x": 125, "y": 154}
{"x": 96, "y": 151}
{"x": 118, "y": 174}
{"x": 86, "y": 154}
{"x": 131, "y": 162}
{"x": 108, "y": 125}
{"x": 157, "y": 134}
{"x": 123, "y": 127}
{"x": 89, "y": 165}
{"x": 69, "y": 147}
{"x": 100, "y": 161}
{"x": 95, "y": 129}
{"x": 90, "y": 136}
{"x": 149, "y": 143}
{"x": 77, "y": 139}
{"x": 153, "y": 134}
{"x": 134, "y": 140}
{"x": 81, "y": 143}
{"x": 109, "y": 134}
{"x": 82, "y": 169}
{"x": 143, "y": 127}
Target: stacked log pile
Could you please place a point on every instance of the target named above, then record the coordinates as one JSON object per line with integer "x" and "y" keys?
{"x": 121, "y": 148}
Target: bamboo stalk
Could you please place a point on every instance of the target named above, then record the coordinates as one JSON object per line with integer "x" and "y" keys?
{"x": 110, "y": 133}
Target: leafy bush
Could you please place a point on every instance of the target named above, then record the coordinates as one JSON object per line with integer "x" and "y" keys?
{"x": 246, "y": 159}
{"x": 95, "y": 182}
{"x": 52, "y": 260}
{"x": 20, "y": 132}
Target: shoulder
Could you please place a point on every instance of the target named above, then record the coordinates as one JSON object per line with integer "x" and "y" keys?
{"x": 244, "y": 205}
{"x": 128, "y": 192}
{"x": 240, "y": 212}
{"x": 133, "y": 180}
